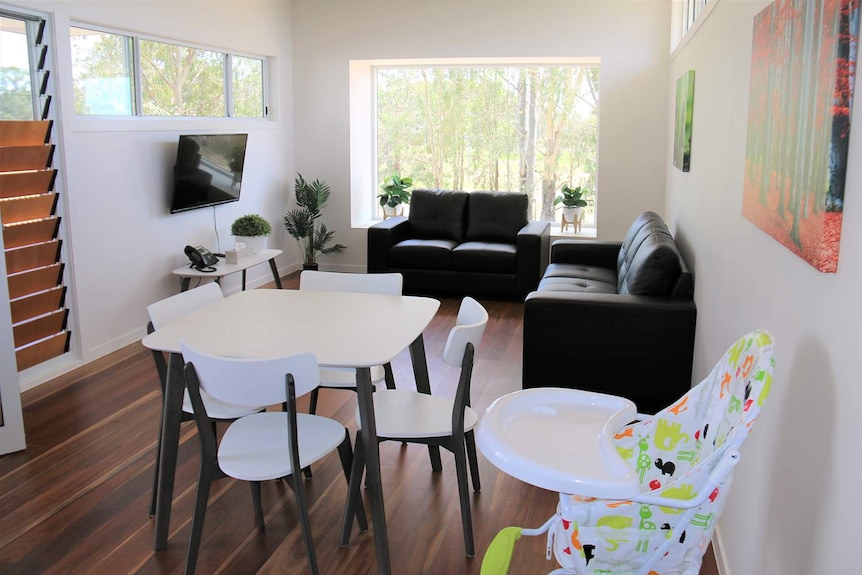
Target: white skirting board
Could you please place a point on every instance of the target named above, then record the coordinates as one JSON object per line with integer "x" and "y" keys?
{"x": 718, "y": 549}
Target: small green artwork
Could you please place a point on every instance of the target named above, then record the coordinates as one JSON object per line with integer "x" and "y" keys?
{"x": 682, "y": 126}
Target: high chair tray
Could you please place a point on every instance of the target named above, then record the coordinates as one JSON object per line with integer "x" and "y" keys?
{"x": 561, "y": 440}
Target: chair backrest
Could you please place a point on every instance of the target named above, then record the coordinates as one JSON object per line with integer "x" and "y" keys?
{"x": 252, "y": 381}
{"x": 469, "y": 328}
{"x": 176, "y": 306}
{"x": 385, "y": 284}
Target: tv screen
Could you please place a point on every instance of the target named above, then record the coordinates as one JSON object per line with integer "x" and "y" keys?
{"x": 208, "y": 171}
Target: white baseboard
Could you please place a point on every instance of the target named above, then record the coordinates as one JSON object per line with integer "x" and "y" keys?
{"x": 718, "y": 549}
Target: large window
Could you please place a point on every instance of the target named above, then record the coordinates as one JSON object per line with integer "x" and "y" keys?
{"x": 116, "y": 74}
{"x": 527, "y": 129}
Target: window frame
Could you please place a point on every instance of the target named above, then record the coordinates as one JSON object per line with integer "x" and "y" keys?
{"x": 137, "y": 97}
{"x": 363, "y": 122}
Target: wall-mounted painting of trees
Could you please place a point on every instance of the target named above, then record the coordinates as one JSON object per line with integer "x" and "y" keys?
{"x": 802, "y": 76}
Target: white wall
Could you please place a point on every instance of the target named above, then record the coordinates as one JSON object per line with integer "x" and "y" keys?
{"x": 631, "y": 38}
{"x": 116, "y": 175}
{"x": 794, "y": 507}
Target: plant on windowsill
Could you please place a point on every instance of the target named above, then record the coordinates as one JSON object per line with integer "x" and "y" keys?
{"x": 395, "y": 194}
{"x": 573, "y": 202}
{"x": 301, "y": 223}
{"x": 252, "y": 230}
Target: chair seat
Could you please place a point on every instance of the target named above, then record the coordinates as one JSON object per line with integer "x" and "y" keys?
{"x": 255, "y": 447}
{"x": 407, "y": 414}
{"x": 217, "y": 409}
{"x": 346, "y": 376}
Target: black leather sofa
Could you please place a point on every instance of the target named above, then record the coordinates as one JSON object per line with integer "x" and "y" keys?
{"x": 614, "y": 317}
{"x": 459, "y": 243}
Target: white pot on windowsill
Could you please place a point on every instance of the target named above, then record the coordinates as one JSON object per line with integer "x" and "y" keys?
{"x": 389, "y": 211}
{"x": 572, "y": 213}
{"x": 256, "y": 243}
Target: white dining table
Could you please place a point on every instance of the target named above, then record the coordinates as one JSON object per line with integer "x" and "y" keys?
{"x": 342, "y": 329}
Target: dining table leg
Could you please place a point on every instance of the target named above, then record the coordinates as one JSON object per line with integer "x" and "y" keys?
{"x": 373, "y": 481}
{"x": 171, "y": 419}
{"x": 423, "y": 385}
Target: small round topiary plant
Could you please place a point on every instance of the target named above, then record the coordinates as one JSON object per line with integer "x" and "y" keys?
{"x": 250, "y": 225}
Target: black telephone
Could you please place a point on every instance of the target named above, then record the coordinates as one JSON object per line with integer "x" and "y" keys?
{"x": 202, "y": 259}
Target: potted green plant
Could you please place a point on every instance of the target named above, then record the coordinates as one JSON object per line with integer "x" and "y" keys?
{"x": 395, "y": 193}
{"x": 303, "y": 225}
{"x": 252, "y": 230}
{"x": 573, "y": 203}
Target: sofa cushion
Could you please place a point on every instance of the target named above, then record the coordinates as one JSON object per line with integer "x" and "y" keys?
{"x": 484, "y": 257}
{"x": 579, "y": 278}
{"x": 649, "y": 262}
{"x": 422, "y": 254}
{"x": 496, "y": 216}
{"x": 438, "y": 214}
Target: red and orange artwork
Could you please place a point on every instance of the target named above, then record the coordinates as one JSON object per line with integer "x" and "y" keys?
{"x": 803, "y": 69}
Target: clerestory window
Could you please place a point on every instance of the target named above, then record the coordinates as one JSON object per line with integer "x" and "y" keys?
{"x": 124, "y": 75}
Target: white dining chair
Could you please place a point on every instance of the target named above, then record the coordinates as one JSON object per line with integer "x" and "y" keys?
{"x": 385, "y": 284}
{"x": 414, "y": 417}
{"x": 161, "y": 314}
{"x": 266, "y": 445}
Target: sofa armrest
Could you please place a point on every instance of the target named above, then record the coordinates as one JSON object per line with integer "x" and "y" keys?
{"x": 533, "y": 246}
{"x": 637, "y": 347}
{"x": 382, "y": 236}
{"x": 601, "y": 254}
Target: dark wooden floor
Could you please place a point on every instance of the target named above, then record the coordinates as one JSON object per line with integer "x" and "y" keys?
{"x": 76, "y": 500}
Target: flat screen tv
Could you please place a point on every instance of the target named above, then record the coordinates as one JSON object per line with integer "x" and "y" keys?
{"x": 208, "y": 171}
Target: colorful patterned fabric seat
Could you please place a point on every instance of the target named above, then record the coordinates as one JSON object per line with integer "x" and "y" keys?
{"x": 674, "y": 453}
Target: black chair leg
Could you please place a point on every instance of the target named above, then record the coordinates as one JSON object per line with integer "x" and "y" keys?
{"x": 464, "y": 496}
{"x": 345, "y": 453}
{"x": 354, "y": 496}
{"x": 389, "y": 376}
{"x": 470, "y": 440}
{"x": 201, "y": 497}
{"x": 434, "y": 454}
{"x": 258, "y": 506}
{"x": 312, "y": 402}
{"x": 156, "y": 472}
{"x": 305, "y": 524}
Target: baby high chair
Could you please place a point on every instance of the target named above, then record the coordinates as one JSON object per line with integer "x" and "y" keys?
{"x": 642, "y": 498}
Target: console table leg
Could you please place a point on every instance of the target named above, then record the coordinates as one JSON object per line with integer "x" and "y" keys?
{"x": 275, "y": 273}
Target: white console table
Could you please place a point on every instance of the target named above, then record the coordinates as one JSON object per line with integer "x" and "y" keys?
{"x": 222, "y": 268}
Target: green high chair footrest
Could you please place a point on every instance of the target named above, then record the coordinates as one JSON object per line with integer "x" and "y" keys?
{"x": 499, "y": 554}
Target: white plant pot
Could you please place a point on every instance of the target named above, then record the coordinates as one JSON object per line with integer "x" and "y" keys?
{"x": 572, "y": 213}
{"x": 256, "y": 243}
{"x": 389, "y": 212}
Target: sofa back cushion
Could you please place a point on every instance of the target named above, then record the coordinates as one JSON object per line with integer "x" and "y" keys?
{"x": 438, "y": 214}
{"x": 648, "y": 262}
{"x": 496, "y": 216}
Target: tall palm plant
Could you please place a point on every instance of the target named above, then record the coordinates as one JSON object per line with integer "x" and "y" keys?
{"x": 302, "y": 224}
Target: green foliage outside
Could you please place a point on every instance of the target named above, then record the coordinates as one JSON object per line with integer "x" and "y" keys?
{"x": 506, "y": 128}
{"x": 16, "y": 100}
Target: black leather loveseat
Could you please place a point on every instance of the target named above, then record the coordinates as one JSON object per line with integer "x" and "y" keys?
{"x": 456, "y": 242}
{"x": 614, "y": 317}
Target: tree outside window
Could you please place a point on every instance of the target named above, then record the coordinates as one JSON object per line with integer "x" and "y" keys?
{"x": 525, "y": 129}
